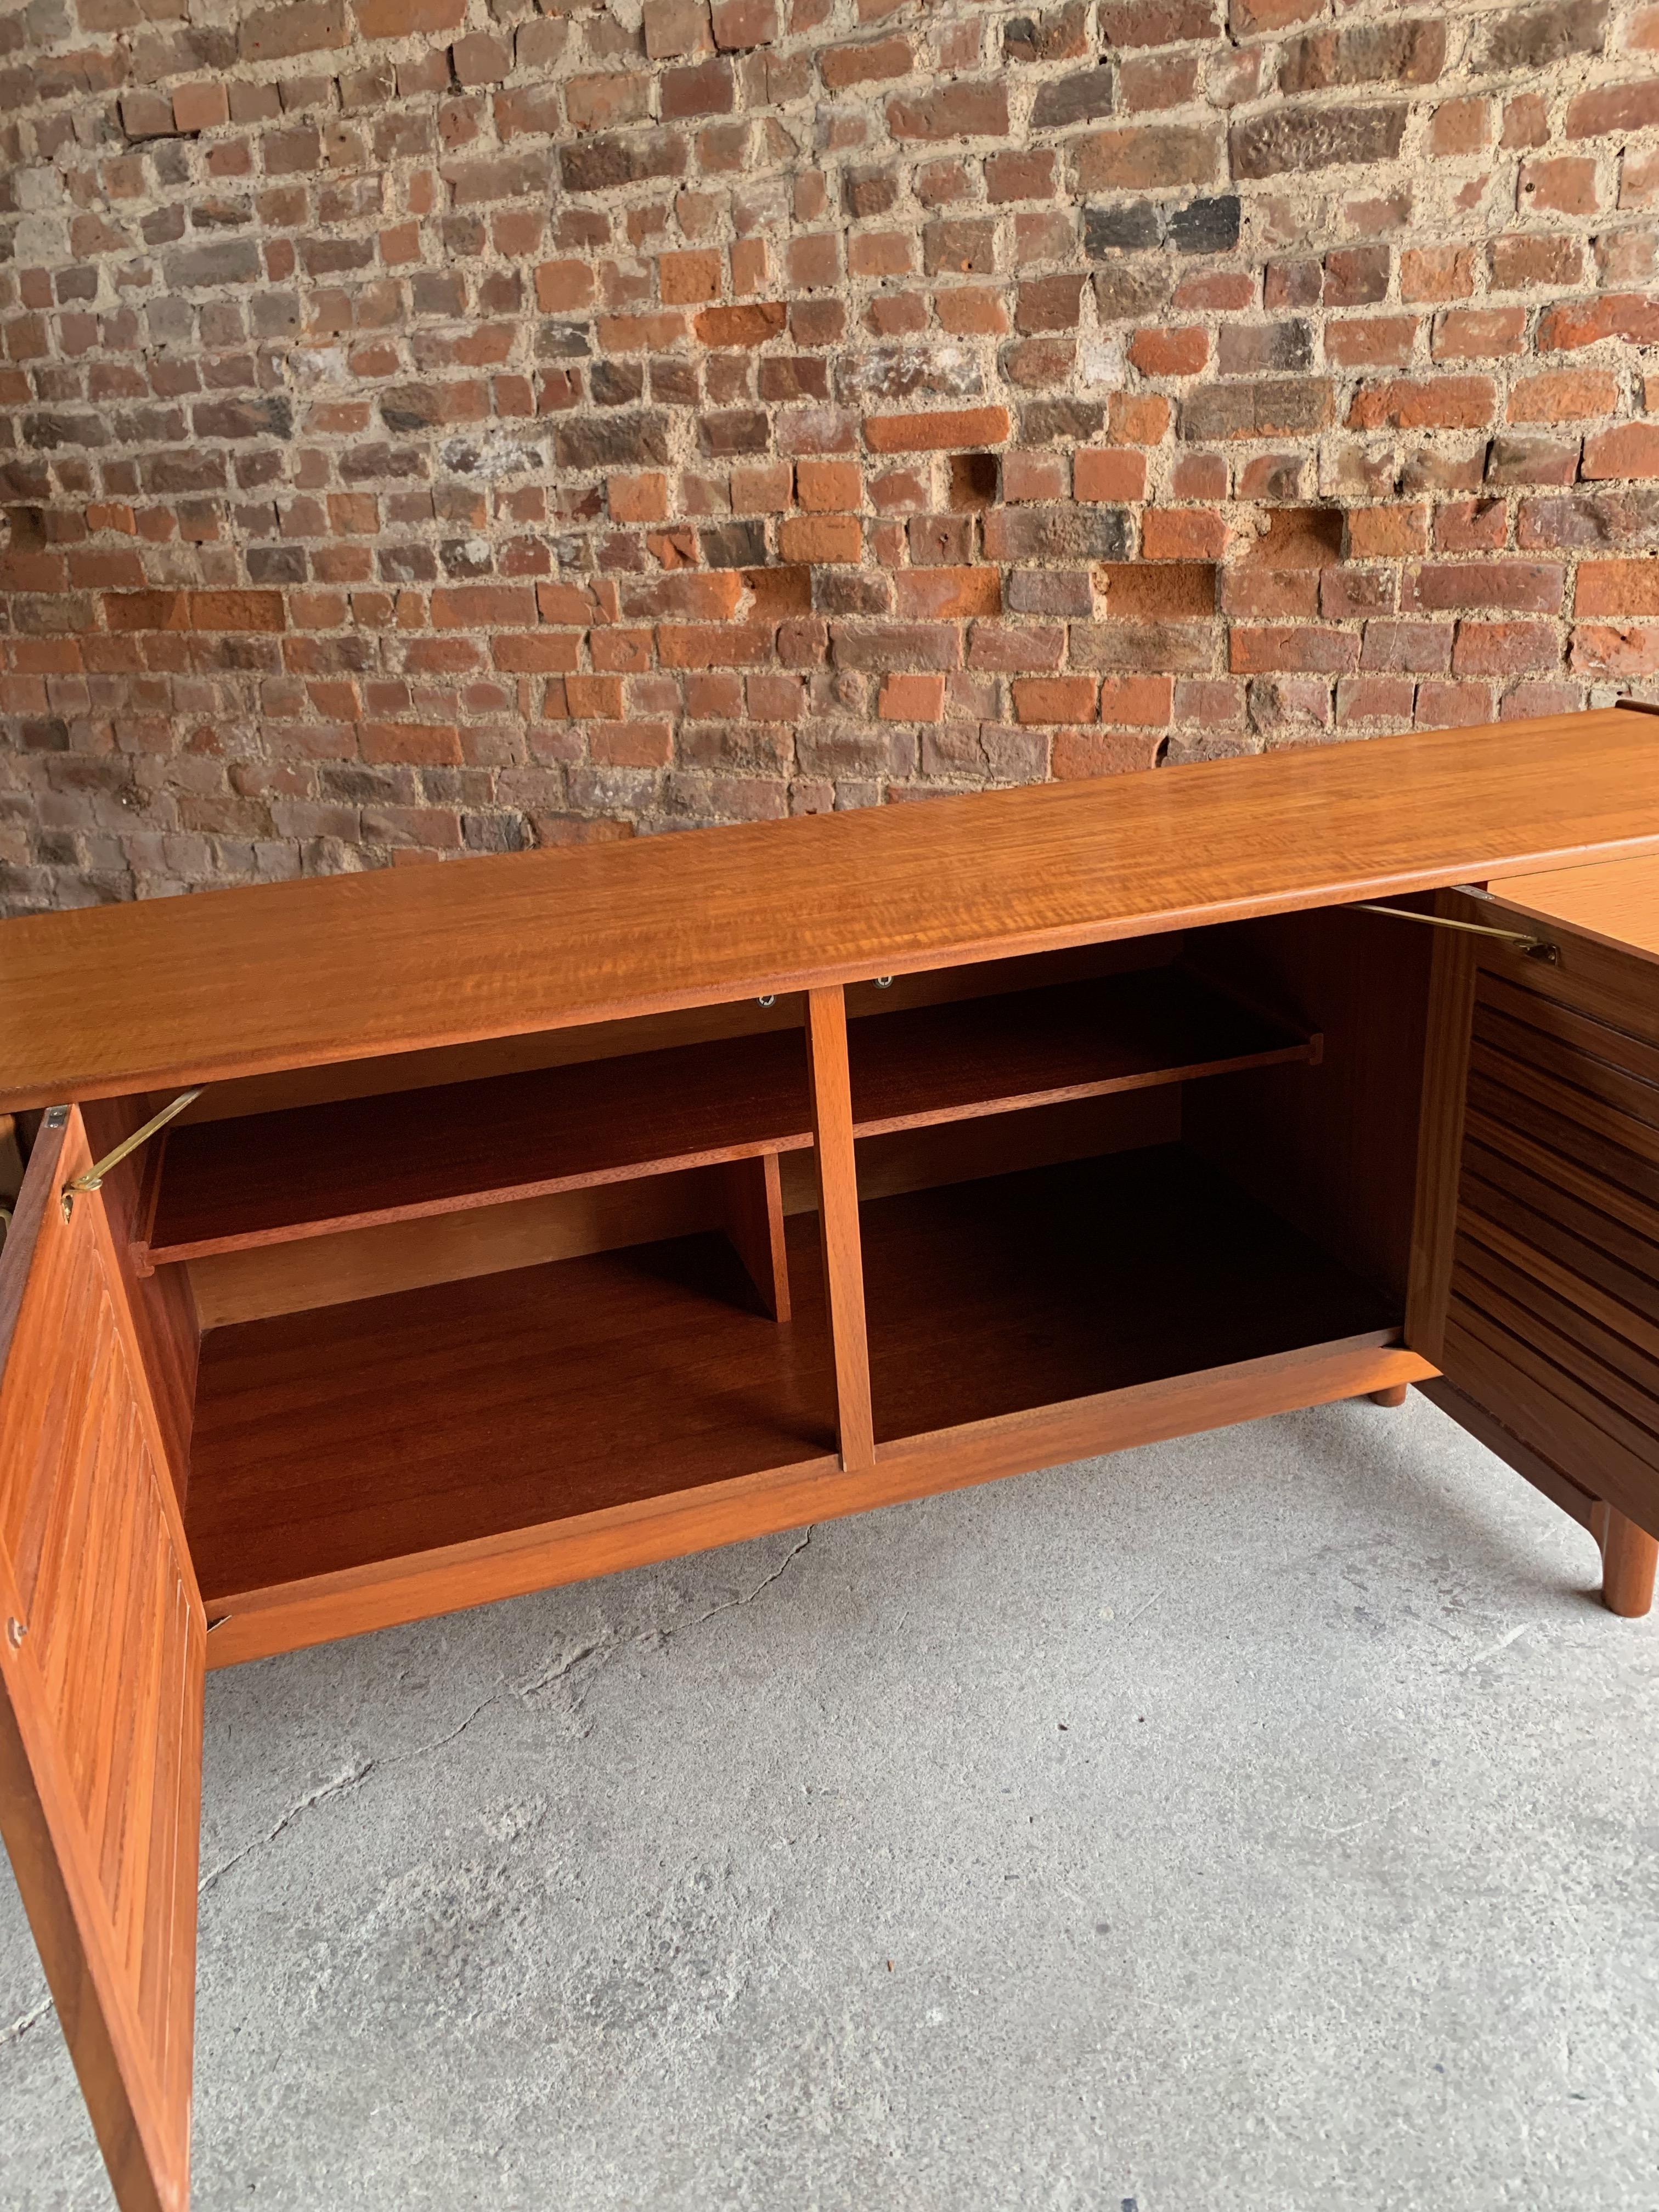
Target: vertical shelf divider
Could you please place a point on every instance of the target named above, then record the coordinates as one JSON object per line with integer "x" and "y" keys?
{"x": 838, "y": 1204}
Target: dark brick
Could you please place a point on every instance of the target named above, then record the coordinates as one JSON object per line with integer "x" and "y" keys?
{"x": 1131, "y": 290}
{"x": 245, "y": 418}
{"x": 226, "y": 261}
{"x": 742, "y": 430}
{"x": 1365, "y": 53}
{"x": 1057, "y": 533}
{"x": 603, "y": 165}
{"x": 1205, "y": 226}
{"x": 1129, "y": 228}
{"x": 867, "y": 192}
{"x": 617, "y": 383}
{"x": 734, "y": 544}
{"x": 1247, "y": 349}
{"x": 1061, "y": 422}
{"x": 47, "y": 433}
{"x": 1081, "y": 98}
{"x": 1296, "y": 138}
{"x": 1534, "y": 38}
{"x": 613, "y": 442}
{"x": 1271, "y": 409}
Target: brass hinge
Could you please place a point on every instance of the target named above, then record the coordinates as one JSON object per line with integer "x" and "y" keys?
{"x": 90, "y": 1178}
{"x": 1532, "y": 948}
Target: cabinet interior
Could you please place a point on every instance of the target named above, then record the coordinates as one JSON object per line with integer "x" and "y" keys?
{"x": 419, "y": 1304}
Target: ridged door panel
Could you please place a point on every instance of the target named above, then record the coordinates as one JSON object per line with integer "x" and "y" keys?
{"x": 102, "y": 1664}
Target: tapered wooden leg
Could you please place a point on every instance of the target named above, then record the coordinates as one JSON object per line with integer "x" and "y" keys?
{"x": 1629, "y": 1557}
{"x": 1394, "y": 1395}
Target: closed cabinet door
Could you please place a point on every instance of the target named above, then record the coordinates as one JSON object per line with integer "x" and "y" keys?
{"x": 1536, "y": 1263}
{"x": 102, "y": 1642}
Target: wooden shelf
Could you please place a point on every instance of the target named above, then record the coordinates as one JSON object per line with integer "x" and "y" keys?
{"x": 1128, "y": 1032}
{"x": 268, "y": 1178}
{"x": 349, "y": 1438}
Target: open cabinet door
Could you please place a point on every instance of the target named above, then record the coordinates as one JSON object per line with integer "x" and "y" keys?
{"x": 1535, "y": 1262}
{"x": 102, "y": 1643}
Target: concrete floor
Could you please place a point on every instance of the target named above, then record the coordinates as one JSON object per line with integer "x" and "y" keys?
{"x": 1265, "y": 1821}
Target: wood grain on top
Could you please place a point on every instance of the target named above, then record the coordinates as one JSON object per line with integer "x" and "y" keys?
{"x": 177, "y": 991}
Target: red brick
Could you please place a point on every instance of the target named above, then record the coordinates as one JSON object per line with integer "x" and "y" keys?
{"x": 1102, "y": 752}
{"x": 823, "y": 538}
{"x": 1630, "y": 450}
{"x": 962, "y": 110}
{"x": 717, "y": 645}
{"x": 631, "y": 744}
{"x": 561, "y": 287}
{"x": 744, "y": 23}
{"x": 1614, "y": 107}
{"x": 1529, "y": 586}
{"x": 1564, "y": 395}
{"x": 1376, "y": 699}
{"x": 1437, "y": 272}
{"x": 1019, "y": 176}
{"x": 1010, "y": 649}
{"x": 1370, "y": 341}
{"x": 943, "y": 594}
{"x": 749, "y": 325}
{"x": 829, "y": 487}
{"x": 1460, "y": 126}
{"x": 200, "y": 106}
{"x": 1035, "y": 475}
{"x": 1138, "y": 418}
{"x": 1574, "y": 323}
{"x": 1478, "y": 333}
{"x": 684, "y": 279}
{"x": 295, "y": 27}
{"x": 1146, "y": 700}
{"x": 912, "y": 699}
{"x": 675, "y": 29}
{"x": 912, "y": 433}
{"x": 883, "y": 646}
{"x": 1441, "y": 403}
{"x": 1472, "y": 526}
{"x": 1182, "y": 534}
{"x": 1503, "y": 648}
{"x": 1441, "y": 706}
{"x": 637, "y": 498}
{"x": 1170, "y": 352}
{"x": 1055, "y": 698}
{"x": 1563, "y": 186}
{"x": 876, "y": 62}
{"x": 1604, "y": 649}
{"x": 1618, "y": 588}
{"x": 1149, "y": 157}
{"x": 1324, "y": 652}
{"x": 427, "y": 743}
{"x": 403, "y": 19}
{"x": 482, "y": 606}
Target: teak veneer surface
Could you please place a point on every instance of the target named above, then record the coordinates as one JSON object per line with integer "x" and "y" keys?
{"x": 1615, "y": 901}
{"x": 326, "y": 1441}
{"x": 106, "y": 1000}
{"x": 268, "y": 1177}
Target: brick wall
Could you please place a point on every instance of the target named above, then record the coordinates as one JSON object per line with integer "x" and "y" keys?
{"x": 437, "y": 426}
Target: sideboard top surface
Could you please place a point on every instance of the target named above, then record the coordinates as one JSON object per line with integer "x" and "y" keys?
{"x": 106, "y": 1000}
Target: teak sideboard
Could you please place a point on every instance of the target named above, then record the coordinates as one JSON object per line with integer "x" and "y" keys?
{"x": 540, "y": 1216}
